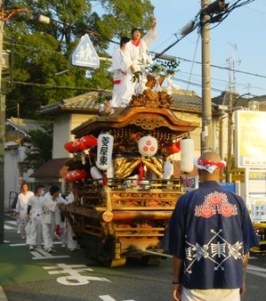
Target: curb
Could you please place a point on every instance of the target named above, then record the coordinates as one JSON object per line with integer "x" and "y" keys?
{"x": 3, "y": 296}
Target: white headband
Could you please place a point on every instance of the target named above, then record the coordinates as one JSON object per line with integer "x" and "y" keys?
{"x": 208, "y": 165}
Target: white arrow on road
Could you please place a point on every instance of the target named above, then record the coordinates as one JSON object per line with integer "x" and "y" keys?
{"x": 109, "y": 298}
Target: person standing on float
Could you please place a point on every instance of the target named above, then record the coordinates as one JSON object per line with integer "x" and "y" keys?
{"x": 136, "y": 51}
{"x": 122, "y": 75}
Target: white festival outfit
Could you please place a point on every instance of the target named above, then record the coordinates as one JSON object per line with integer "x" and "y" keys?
{"x": 50, "y": 218}
{"x": 21, "y": 209}
{"x": 140, "y": 58}
{"x": 70, "y": 235}
{"x": 121, "y": 79}
{"x": 34, "y": 225}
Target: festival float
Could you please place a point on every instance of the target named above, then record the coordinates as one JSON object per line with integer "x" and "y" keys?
{"x": 122, "y": 200}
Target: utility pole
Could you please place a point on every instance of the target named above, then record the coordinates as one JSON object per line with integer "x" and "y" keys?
{"x": 2, "y": 130}
{"x": 210, "y": 13}
{"x": 206, "y": 135}
{"x": 4, "y": 17}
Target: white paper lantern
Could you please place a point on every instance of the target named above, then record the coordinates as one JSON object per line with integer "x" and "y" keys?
{"x": 95, "y": 173}
{"x": 104, "y": 151}
{"x": 187, "y": 155}
{"x": 148, "y": 146}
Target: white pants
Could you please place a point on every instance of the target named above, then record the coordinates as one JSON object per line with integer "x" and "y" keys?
{"x": 210, "y": 294}
{"x": 48, "y": 235}
{"x": 71, "y": 242}
{"x": 34, "y": 235}
{"x": 122, "y": 93}
{"x": 22, "y": 223}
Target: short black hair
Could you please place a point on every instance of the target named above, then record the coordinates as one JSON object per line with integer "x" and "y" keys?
{"x": 54, "y": 189}
{"x": 135, "y": 29}
{"x": 124, "y": 40}
{"x": 38, "y": 187}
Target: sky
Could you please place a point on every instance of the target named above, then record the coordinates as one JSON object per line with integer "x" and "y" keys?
{"x": 238, "y": 42}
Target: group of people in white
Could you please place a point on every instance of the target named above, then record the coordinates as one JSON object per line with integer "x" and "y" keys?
{"x": 131, "y": 60}
{"x": 38, "y": 217}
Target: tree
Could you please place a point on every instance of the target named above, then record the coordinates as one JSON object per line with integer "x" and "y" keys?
{"x": 41, "y": 149}
{"x": 40, "y": 52}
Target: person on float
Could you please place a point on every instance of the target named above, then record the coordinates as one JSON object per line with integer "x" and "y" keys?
{"x": 34, "y": 214}
{"x": 136, "y": 51}
{"x": 122, "y": 75}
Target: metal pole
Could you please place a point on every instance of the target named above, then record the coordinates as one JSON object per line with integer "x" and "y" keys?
{"x": 2, "y": 131}
{"x": 206, "y": 135}
{"x": 229, "y": 137}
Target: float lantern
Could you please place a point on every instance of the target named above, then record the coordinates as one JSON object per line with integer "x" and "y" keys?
{"x": 148, "y": 146}
{"x": 187, "y": 155}
{"x": 104, "y": 151}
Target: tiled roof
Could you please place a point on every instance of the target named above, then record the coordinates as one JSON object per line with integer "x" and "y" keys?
{"x": 81, "y": 103}
{"x": 26, "y": 125}
{"x": 186, "y": 101}
{"x": 86, "y": 103}
{"x": 53, "y": 168}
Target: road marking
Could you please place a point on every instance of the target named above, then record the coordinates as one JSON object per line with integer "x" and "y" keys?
{"x": 6, "y": 227}
{"x": 39, "y": 254}
{"x": 255, "y": 270}
{"x": 24, "y": 244}
{"x": 11, "y": 222}
{"x": 74, "y": 277}
{"x": 109, "y": 298}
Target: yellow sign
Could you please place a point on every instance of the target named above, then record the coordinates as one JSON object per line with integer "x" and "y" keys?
{"x": 251, "y": 139}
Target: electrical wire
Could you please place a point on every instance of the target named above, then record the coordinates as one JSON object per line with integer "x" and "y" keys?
{"x": 194, "y": 58}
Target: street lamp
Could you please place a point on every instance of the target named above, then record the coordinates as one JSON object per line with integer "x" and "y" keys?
{"x": 4, "y": 17}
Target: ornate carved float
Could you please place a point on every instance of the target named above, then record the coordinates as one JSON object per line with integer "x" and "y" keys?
{"x": 118, "y": 217}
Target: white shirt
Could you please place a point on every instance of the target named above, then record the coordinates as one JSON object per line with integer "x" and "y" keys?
{"x": 22, "y": 203}
{"x": 139, "y": 55}
{"x": 120, "y": 64}
{"x": 36, "y": 205}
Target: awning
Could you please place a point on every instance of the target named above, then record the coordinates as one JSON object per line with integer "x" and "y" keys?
{"x": 54, "y": 168}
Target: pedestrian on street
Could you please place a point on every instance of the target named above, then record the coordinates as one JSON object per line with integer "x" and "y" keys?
{"x": 34, "y": 216}
{"x": 72, "y": 243}
{"x": 210, "y": 235}
{"x": 50, "y": 216}
{"x": 21, "y": 207}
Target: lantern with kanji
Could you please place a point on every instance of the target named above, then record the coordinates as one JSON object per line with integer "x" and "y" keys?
{"x": 148, "y": 146}
{"x": 104, "y": 151}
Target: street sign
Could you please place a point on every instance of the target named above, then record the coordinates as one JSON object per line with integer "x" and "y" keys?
{"x": 85, "y": 55}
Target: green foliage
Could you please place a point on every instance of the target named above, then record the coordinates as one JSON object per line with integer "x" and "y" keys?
{"x": 41, "y": 150}
{"x": 164, "y": 67}
{"x": 38, "y": 51}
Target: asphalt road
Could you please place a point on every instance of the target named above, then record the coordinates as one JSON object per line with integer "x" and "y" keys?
{"x": 37, "y": 275}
